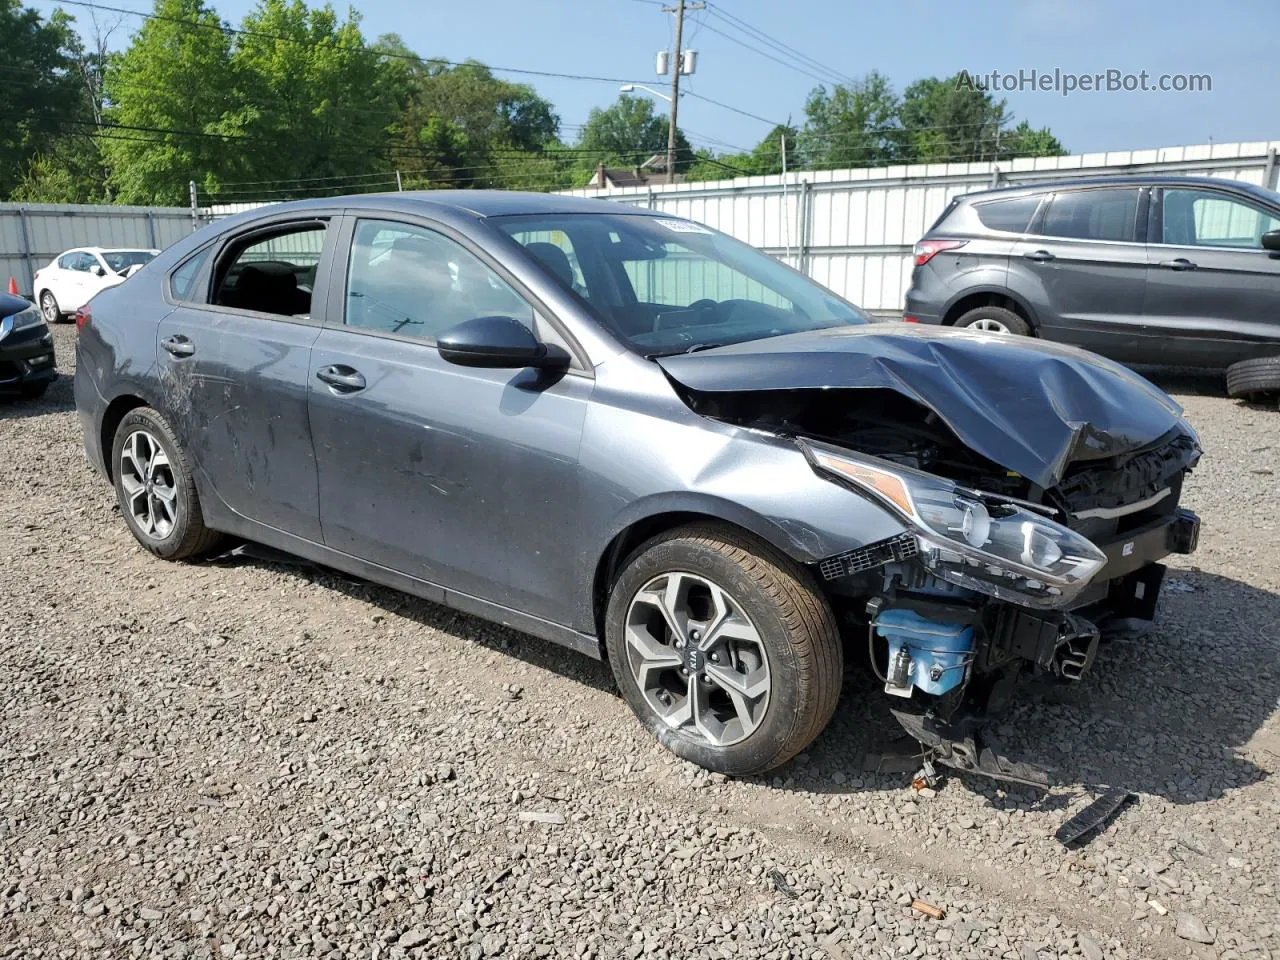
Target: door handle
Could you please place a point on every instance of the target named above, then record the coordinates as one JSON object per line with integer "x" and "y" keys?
{"x": 1182, "y": 263}
{"x": 1039, "y": 256}
{"x": 342, "y": 378}
{"x": 179, "y": 346}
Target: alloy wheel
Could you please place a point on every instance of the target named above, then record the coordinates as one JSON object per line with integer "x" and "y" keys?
{"x": 697, "y": 658}
{"x": 989, "y": 324}
{"x": 146, "y": 477}
{"x": 48, "y": 307}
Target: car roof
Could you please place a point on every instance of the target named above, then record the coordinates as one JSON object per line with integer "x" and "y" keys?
{"x": 1136, "y": 179}
{"x": 107, "y": 250}
{"x": 477, "y": 203}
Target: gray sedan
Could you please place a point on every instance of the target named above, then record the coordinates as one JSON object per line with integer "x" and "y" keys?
{"x": 629, "y": 434}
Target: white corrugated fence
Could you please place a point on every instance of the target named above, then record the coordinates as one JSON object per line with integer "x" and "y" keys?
{"x": 853, "y": 230}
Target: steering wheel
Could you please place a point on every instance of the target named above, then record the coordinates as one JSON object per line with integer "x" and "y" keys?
{"x": 704, "y": 304}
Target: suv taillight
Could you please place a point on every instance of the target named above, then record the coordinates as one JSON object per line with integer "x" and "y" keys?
{"x": 926, "y": 250}
{"x": 83, "y": 316}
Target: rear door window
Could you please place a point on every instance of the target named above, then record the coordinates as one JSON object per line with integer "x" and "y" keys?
{"x": 1108, "y": 214}
{"x": 1010, "y": 216}
{"x": 274, "y": 273}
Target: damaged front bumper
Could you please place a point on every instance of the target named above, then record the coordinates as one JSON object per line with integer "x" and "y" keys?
{"x": 949, "y": 656}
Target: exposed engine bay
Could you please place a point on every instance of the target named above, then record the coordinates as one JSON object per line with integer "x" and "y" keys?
{"x": 997, "y": 580}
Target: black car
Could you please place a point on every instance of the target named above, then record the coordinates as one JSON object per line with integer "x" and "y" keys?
{"x": 1179, "y": 271}
{"x": 26, "y": 349}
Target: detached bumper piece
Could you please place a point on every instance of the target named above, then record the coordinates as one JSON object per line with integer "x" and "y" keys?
{"x": 1093, "y": 818}
{"x": 962, "y": 745}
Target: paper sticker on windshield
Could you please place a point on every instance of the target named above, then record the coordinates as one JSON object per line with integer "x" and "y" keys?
{"x": 684, "y": 226}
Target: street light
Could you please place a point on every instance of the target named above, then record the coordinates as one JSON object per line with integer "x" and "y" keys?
{"x": 632, "y": 87}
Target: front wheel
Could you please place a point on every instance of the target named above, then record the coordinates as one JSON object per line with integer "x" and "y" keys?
{"x": 724, "y": 648}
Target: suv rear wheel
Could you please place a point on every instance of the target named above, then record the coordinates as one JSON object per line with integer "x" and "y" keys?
{"x": 724, "y": 648}
{"x": 1257, "y": 379}
{"x": 994, "y": 320}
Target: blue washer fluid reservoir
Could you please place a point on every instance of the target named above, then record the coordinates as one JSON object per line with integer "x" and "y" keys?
{"x": 939, "y": 652}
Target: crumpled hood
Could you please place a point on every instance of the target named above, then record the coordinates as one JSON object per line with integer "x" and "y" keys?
{"x": 1030, "y": 406}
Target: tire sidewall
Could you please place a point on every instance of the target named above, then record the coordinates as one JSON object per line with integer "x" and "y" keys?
{"x": 1016, "y": 325}
{"x": 57, "y": 309}
{"x": 146, "y": 419}
{"x": 783, "y": 714}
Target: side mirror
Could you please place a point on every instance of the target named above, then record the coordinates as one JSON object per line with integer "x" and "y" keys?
{"x": 99, "y": 270}
{"x": 497, "y": 343}
{"x": 1271, "y": 240}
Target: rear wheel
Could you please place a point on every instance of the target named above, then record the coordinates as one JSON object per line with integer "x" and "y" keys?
{"x": 724, "y": 648}
{"x": 994, "y": 320}
{"x": 1256, "y": 379}
{"x": 155, "y": 488}
{"x": 49, "y": 308}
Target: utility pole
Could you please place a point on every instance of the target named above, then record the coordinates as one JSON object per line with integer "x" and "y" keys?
{"x": 677, "y": 68}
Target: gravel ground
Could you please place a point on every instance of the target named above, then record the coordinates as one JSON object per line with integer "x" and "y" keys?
{"x": 245, "y": 759}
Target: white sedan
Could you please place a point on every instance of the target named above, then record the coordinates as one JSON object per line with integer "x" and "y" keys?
{"x": 72, "y": 279}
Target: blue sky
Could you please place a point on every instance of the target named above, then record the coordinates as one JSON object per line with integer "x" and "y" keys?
{"x": 1235, "y": 43}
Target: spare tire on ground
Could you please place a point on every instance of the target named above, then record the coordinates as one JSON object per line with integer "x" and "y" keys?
{"x": 1256, "y": 379}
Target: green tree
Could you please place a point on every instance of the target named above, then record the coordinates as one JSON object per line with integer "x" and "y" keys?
{"x": 627, "y": 134}
{"x": 946, "y": 120}
{"x": 1024, "y": 141}
{"x": 166, "y": 98}
{"x": 309, "y": 100}
{"x": 852, "y": 125}
{"x": 42, "y": 100}
{"x": 462, "y": 126}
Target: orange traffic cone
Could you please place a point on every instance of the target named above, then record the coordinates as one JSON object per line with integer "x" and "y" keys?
{"x": 13, "y": 286}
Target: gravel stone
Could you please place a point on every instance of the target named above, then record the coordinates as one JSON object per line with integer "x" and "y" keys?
{"x": 1191, "y": 927}
{"x": 247, "y": 758}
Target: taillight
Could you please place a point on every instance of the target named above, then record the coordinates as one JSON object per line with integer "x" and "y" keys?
{"x": 908, "y": 318}
{"x": 926, "y": 250}
{"x": 83, "y": 316}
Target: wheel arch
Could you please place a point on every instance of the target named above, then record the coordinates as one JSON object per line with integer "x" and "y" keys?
{"x": 115, "y": 412}
{"x": 648, "y": 519}
{"x": 988, "y": 297}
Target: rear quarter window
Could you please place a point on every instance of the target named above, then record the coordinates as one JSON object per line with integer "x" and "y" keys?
{"x": 1009, "y": 216}
{"x": 182, "y": 282}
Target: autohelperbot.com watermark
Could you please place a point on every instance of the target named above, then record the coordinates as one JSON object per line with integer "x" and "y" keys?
{"x": 1065, "y": 83}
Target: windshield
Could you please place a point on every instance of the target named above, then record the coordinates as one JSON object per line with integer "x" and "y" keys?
{"x": 667, "y": 286}
{"x": 122, "y": 260}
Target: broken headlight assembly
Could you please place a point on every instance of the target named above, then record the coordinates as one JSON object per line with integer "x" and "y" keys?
{"x": 986, "y": 543}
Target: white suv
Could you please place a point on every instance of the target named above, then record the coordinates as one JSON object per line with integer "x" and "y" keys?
{"x": 72, "y": 279}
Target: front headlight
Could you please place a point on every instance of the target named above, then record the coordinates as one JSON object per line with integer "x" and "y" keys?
{"x": 993, "y": 546}
{"x": 29, "y": 317}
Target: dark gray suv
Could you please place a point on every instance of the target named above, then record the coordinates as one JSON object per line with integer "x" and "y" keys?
{"x": 1156, "y": 270}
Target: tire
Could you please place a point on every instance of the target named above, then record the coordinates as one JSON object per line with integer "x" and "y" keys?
{"x": 177, "y": 530}
{"x": 1256, "y": 379}
{"x": 49, "y": 308}
{"x": 993, "y": 317}
{"x": 799, "y": 651}
{"x": 33, "y": 391}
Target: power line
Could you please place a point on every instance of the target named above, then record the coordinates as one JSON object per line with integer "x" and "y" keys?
{"x": 768, "y": 56}
{"x": 762, "y": 36}
{"x": 423, "y": 61}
